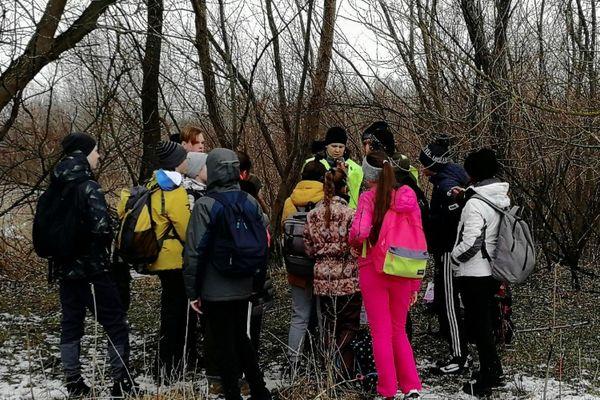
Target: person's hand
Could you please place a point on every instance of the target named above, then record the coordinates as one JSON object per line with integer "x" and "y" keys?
{"x": 413, "y": 298}
{"x": 196, "y": 304}
{"x": 456, "y": 192}
{"x": 342, "y": 165}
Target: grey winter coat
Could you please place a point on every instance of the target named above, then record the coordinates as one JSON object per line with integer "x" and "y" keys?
{"x": 202, "y": 279}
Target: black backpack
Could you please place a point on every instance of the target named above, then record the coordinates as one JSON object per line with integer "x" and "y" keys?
{"x": 136, "y": 243}
{"x": 58, "y": 225}
{"x": 297, "y": 262}
{"x": 240, "y": 248}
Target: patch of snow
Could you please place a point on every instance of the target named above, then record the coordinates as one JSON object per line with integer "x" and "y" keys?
{"x": 36, "y": 374}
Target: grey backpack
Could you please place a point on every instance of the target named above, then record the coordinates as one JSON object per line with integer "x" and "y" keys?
{"x": 297, "y": 262}
{"x": 514, "y": 257}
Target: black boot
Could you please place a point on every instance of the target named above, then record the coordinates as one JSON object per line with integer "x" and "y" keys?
{"x": 495, "y": 381}
{"x": 124, "y": 387}
{"x": 76, "y": 387}
{"x": 477, "y": 388}
{"x": 262, "y": 395}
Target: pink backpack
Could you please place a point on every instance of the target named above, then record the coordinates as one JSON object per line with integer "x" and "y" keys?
{"x": 401, "y": 248}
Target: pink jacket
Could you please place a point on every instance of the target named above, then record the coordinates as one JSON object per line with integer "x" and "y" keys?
{"x": 404, "y": 200}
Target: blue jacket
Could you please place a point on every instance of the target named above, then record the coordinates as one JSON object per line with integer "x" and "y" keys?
{"x": 444, "y": 212}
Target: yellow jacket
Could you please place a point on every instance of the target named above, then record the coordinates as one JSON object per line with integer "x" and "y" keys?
{"x": 305, "y": 192}
{"x": 176, "y": 214}
{"x": 170, "y": 214}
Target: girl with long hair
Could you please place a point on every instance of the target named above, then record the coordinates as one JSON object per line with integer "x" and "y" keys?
{"x": 336, "y": 270}
{"x": 387, "y": 298}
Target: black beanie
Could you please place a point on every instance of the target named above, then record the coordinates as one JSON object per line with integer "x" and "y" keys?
{"x": 317, "y": 146}
{"x": 336, "y": 134}
{"x": 437, "y": 153}
{"x": 175, "y": 137}
{"x": 481, "y": 164}
{"x": 170, "y": 155}
{"x": 381, "y": 137}
{"x": 78, "y": 141}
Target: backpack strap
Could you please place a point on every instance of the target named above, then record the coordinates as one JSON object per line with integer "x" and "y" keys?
{"x": 489, "y": 203}
{"x": 305, "y": 208}
{"x": 171, "y": 233}
{"x": 221, "y": 199}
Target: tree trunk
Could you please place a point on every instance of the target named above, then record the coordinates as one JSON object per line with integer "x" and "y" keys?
{"x": 407, "y": 57}
{"x": 208, "y": 76}
{"x": 151, "y": 72}
{"x": 500, "y": 89}
{"x": 494, "y": 64}
{"x": 321, "y": 75}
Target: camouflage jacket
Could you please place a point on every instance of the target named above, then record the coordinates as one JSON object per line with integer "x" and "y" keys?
{"x": 336, "y": 266}
{"x": 91, "y": 205}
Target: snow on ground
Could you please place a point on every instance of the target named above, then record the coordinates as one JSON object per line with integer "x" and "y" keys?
{"x": 28, "y": 372}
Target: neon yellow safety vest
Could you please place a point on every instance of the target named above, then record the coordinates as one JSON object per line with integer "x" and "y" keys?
{"x": 413, "y": 171}
{"x": 355, "y": 178}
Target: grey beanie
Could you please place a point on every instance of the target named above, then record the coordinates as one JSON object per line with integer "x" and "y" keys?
{"x": 370, "y": 173}
{"x": 195, "y": 163}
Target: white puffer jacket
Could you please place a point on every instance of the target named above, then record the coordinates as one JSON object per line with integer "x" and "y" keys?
{"x": 478, "y": 229}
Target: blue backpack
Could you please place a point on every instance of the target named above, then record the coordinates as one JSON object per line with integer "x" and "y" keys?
{"x": 240, "y": 248}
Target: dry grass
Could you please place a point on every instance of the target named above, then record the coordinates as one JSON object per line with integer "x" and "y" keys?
{"x": 572, "y": 355}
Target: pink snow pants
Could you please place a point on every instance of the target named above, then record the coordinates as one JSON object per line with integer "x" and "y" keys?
{"x": 387, "y": 300}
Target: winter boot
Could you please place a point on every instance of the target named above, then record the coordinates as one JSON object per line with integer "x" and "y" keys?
{"x": 124, "y": 387}
{"x": 478, "y": 388}
{"x": 263, "y": 395}
{"x": 77, "y": 388}
{"x": 495, "y": 381}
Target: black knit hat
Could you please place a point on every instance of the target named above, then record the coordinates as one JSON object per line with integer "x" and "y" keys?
{"x": 175, "y": 137}
{"x": 170, "y": 155}
{"x": 78, "y": 141}
{"x": 317, "y": 146}
{"x": 336, "y": 134}
{"x": 381, "y": 137}
{"x": 437, "y": 153}
{"x": 482, "y": 164}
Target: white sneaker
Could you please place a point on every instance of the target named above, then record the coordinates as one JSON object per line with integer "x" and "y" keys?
{"x": 413, "y": 394}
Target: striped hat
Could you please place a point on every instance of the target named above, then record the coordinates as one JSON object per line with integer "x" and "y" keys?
{"x": 170, "y": 155}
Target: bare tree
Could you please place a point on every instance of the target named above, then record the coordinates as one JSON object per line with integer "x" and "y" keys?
{"x": 44, "y": 47}
{"x": 150, "y": 88}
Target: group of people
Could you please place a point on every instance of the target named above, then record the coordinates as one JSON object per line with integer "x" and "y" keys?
{"x": 343, "y": 234}
{"x": 351, "y": 210}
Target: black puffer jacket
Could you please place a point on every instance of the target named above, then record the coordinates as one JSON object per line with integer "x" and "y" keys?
{"x": 90, "y": 203}
{"x": 444, "y": 212}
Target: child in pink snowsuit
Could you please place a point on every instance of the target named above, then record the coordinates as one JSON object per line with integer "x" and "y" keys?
{"x": 387, "y": 298}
